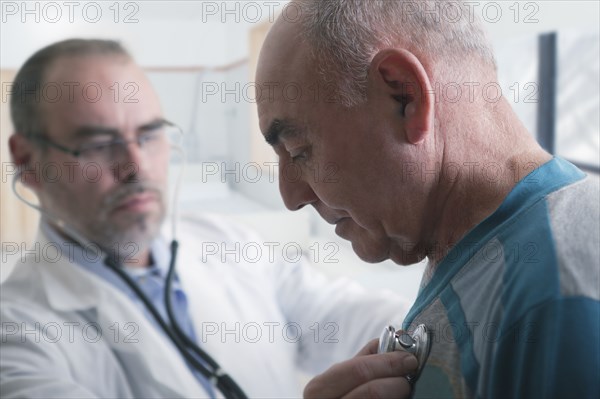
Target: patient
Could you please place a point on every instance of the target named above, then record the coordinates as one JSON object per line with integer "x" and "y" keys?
{"x": 511, "y": 233}
{"x": 72, "y": 328}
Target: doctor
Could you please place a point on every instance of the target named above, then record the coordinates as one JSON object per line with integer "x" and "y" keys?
{"x": 72, "y": 328}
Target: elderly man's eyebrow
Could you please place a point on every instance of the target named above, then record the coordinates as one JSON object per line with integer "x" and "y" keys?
{"x": 280, "y": 129}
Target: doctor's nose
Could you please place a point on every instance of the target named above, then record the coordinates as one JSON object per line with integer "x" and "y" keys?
{"x": 296, "y": 192}
{"x": 133, "y": 160}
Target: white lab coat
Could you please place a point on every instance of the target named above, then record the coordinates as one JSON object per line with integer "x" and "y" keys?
{"x": 68, "y": 333}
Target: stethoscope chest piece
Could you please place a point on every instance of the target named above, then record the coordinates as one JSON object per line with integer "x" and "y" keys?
{"x": 419, "y": 344}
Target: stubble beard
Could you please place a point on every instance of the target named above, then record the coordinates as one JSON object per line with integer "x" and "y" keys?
{"x": 121, "y": 237}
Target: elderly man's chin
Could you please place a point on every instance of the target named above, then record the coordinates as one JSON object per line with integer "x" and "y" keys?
{"x": 377, "y": 249}
{"x": 368, "y": 249}
{"x": 370, "y": 254}
{"x": 368, "y": 246}
{"x": 405, "y": 259}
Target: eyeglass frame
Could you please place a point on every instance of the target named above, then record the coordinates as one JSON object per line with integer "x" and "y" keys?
{"x": 77, "y": 153}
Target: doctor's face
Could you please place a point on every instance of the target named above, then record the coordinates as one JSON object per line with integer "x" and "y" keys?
{"x": 112, "y": 193}
{"x": 340, "y": 160}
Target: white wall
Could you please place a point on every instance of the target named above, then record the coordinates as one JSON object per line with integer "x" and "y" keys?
{"x": 210, "y": 33}
{"x": 159, "y": 33}
{"x": 194, "y": 33}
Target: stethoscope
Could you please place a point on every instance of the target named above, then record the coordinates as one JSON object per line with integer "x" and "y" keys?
{"x": 208, "y": 367}
{"x": 211, "y": 369}
{"x": 419, "y": 343}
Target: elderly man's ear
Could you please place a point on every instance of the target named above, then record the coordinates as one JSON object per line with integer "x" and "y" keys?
{"x": 21, "y": 151}
{"x": 400, "y": 77}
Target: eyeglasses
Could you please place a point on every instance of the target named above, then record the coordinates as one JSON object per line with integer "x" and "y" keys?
{"x": 151, "y": 140}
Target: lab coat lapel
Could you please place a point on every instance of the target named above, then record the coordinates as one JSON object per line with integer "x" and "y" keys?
{"x": 121, "y": 324}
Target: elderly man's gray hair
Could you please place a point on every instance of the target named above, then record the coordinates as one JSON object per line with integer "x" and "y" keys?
{"x": 345, "y": 35}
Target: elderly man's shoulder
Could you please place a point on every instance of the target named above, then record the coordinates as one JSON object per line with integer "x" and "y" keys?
{"x": 547, "y": 248}
{"x": 574, "y": 216}
{"x": 582, "y": 195}
{"x": 553, "y": 245}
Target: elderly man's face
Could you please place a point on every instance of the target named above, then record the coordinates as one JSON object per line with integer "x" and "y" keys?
{"x": 341, "y": 161}
{"x": 113, "y": 197}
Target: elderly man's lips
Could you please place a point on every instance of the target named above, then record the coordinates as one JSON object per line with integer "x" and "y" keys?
{"x": 335, "y": 221}
{"x": 339, "y": 226}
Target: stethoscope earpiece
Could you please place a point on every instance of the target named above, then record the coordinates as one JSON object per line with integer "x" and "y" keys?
{"x": 419, "y": 344}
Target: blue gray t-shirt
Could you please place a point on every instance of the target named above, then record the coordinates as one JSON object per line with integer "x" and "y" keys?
{"x": 514, "y": 307}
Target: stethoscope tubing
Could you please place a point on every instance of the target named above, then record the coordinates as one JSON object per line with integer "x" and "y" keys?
{"x": 182, "y": 342}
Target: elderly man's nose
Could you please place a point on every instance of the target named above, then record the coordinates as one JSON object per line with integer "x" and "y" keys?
{"x": 296, "y": 193}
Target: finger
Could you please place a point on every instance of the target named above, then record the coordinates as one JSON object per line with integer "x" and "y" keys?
{"x": 342, "y": 378}
{"x": 370, "y": 348}
{"x": 396, "y": 388}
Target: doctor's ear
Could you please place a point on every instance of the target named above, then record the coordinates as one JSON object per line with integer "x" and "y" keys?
{"x": 402, "y": 78}
{"x": 21, "y": 151}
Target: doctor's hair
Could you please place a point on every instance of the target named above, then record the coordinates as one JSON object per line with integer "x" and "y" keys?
{"x": 345, "y": 35}
{"x": 25, "y": 110}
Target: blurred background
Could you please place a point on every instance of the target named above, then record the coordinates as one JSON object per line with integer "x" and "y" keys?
{"x": 201, "y": 57}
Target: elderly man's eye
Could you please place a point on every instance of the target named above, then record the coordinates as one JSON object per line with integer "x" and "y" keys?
{"x": 299, "y": 155}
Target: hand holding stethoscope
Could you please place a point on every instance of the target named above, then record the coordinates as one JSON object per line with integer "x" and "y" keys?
{"x": 419, "y": 344}
{"x": 385, "y": 367}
